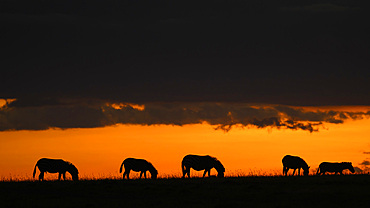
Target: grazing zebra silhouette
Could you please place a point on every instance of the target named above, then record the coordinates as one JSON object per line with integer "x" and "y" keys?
{"x": 294, "y": 162}
{"x": 138, "y": 165}
{"x": 55, "y": 166}
{"x": 199, "y": 163}
{"x": 334, "y": 168}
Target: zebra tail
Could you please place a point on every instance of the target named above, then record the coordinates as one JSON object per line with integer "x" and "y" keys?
{"x": 34, "y": 170}
{"x": 183, "y": 167}
{"x": 120, "y": 168}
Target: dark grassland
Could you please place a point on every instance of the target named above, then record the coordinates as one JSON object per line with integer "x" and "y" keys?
{"x": 311, "y": 191}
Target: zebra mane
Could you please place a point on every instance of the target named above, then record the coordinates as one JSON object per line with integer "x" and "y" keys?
{"x": 151, "y": 165}
{"x": 71, "y": 165}
{"x": 152, "y": 169}
{"x": 217, "y": 164}
{"x": 213, "y": 158}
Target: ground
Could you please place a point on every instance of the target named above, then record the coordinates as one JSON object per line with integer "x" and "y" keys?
{"x": 311, "y": 191}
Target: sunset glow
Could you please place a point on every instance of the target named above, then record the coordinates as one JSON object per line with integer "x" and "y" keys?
{"x": 259, "y": 103}
{"x": 98, "y": 152}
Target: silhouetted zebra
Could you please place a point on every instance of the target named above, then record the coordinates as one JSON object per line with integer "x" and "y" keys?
{"x": 138, "y": 165}
{"x": 55, "y": 166}
{"x": 199, "y": 163}
{"x": 294, "y": 162}
{"x": 334, "y": 168}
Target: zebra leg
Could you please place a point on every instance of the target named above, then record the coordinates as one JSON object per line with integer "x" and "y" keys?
{"x": 145, "y": 174}
{"x": 127, "y": 174}
{"x": 41, "y": 176}
{"x": 285, "y": 170}
{"x": 141, "y": 173}
{"x": 183, "y": 172}
{"x": 294, "y": 171}
{"x": 205, "y": 171}
{"x": 188, "y": 172}
{"x": 64, "y": 176}
{"x": 59, "y": 176}
{"x": 299, "y": 171}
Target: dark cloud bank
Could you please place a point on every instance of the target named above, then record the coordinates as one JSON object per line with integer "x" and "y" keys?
{"x": 223, "y": 116}
{"x": 255, "y": 51}
{"x": 188, "y": 61}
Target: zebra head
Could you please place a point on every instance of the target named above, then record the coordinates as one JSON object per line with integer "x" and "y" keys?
{"x": 220, "y": 169}
{"x": 73, "y": 171}
{"x": 349, "y": 166}
{"x": 153, "y": 171}
{"x": 306, "y": 170}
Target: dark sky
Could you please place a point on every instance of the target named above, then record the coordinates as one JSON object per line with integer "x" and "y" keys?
{"x": 255, "y": 51}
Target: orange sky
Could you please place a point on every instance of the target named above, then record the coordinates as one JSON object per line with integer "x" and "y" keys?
{"x": 99, "y": 152}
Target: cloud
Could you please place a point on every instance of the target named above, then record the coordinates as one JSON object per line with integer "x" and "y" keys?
{"x": 365, "y": 163}
{"x": 358, "y": 170}
{"x": 58, "y": 113}
{"x": 320, "y": 8}
{"x": 130, "y": 52}
{"x": 42, "y": 118}
{"x": 366, "y": 152}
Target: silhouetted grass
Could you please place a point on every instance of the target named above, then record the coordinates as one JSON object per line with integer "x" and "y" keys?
{"x": 236, "y": 191}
